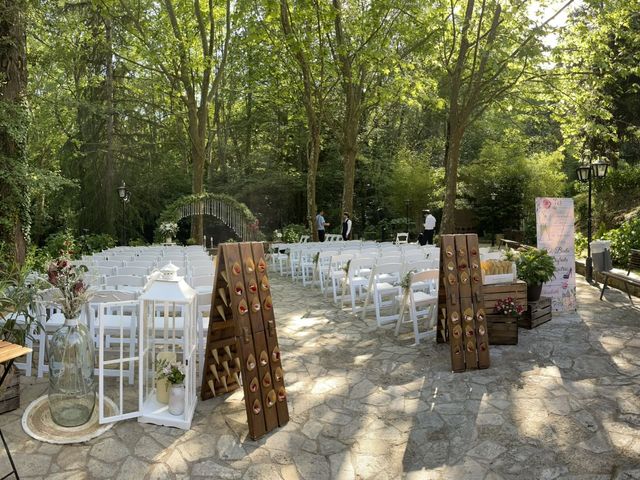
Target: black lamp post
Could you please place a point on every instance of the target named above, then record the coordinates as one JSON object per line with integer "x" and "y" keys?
{"x": 407, "y": 203}
{"x": 125, "y": 196}
{"x": 585, "y": 173}
{"x": 493, "y": 218}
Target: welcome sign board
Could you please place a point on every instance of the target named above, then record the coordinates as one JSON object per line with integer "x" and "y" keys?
{"x": 555, "y": 231}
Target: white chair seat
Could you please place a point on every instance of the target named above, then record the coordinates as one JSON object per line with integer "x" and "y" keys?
{"x": 384, "y": 287}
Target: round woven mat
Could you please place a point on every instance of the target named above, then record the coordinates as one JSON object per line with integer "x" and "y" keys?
{"x": 37, "y": 423}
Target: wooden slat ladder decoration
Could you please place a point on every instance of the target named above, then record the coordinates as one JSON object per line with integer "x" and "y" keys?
{"x": 242, "y": 324}
{"x": 463, "y": 319}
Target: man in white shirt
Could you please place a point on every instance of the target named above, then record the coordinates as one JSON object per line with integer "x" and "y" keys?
{"x": 346, "y": 227}
{"x": 429, "y": 227}
{"x": 320, "y": 225}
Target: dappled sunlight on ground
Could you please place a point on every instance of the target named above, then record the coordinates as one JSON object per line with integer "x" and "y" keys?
{"x": 365, "y": 404}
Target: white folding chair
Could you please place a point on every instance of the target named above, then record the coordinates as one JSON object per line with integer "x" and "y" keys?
{"x": 128, "y": 283}
{"x": 322, "y": 267}
{"x": 383, "y": 288}
{"x": 402, "y": 238}
{"x": 118, "y": 323}
{"x": 202, "y": 269}
{"x": 202, "y": 283}
{"x": 356, "y": 278}
{"x": 135, "y": 271}
{"x": 421, "y": 301}
{"x": 51, "y": 318}
{"x": 337, "y": 273}
{"x": 307, "y": 265}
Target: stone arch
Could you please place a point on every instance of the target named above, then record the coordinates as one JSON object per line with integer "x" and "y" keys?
{"x": 234, "y": 214}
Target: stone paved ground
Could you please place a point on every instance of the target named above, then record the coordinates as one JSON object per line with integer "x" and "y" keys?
{"x": 564, "y": 403}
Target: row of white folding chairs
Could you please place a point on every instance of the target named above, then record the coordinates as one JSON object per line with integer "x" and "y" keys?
{"x": 327, "y": 265}
{"x": 382, "y": 289}
{"x": 303, "y": 263}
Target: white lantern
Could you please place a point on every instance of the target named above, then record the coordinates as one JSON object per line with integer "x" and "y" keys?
{"x": 165, "y": 323}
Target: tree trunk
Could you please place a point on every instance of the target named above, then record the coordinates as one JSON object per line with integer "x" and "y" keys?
{"x": 197, "y": 128}
{"x": 451, "y": 161}
{"x": 312, "y": 173}
{"x": 109, "y": 177}
{"x": 350, "y": 131}
{"x": 14, "y": 207}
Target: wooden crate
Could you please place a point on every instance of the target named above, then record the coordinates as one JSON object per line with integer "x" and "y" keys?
{"x": 10, "y": 393}
{"x": 492, "y": 293}
{"x": 537, "y": 313}
{"x": 503, "y": 330}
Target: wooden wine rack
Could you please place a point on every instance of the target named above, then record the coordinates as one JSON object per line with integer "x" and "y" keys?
{"x": 242, "y": 339}
{"x": 463, "y": 319}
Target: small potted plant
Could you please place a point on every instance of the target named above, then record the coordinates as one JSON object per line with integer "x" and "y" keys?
{"x": 19, "y": 294}
{"x": 535, "y": 267}
{"x": 175, "y": 374}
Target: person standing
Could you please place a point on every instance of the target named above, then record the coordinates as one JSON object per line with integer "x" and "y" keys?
{"x": 429, "y": 228}
{"x": 346, "y": 227}
{"x": 320, "y": 225}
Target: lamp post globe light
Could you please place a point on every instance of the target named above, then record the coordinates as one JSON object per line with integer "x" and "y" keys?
{"x": 125, "y": 195}
{"x": 585, "y": 173}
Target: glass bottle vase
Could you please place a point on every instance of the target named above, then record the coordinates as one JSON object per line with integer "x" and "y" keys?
{"x": 72, "y": 392}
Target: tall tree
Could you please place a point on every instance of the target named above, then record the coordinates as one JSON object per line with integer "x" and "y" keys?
{"x": 306, "y": 44}
{"x": 362, "y": 47}
{"x": 14, "y": 191}
{"x": 197, "y": 48}
{"x": 486, "y": 51}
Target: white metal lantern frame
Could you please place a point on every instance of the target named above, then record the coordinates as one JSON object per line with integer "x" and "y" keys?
{"x": 166, "y": 322}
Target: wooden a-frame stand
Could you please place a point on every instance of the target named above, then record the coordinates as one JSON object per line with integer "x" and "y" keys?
{"x": 242, "y": 339}
{"x": 463, "y": 319}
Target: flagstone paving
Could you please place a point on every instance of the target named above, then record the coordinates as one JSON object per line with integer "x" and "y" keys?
{"x": 562, "y": 404}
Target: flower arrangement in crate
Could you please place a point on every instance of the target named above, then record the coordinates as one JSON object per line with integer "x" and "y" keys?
{"x": 168, "y": 230}
{"x": 507, "y": 306}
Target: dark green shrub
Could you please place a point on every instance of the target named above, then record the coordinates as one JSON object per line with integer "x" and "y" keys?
{"x": 95, "y": 242}
{"x": 292, "y": 233}
{"x": 138, "y": 242}
{"x": 623, "y": 239}
{"x": 62, "y": 244}
{"x": 581, "y": 244}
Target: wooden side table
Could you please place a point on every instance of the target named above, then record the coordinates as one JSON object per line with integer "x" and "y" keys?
{"x": 8, "y": 353}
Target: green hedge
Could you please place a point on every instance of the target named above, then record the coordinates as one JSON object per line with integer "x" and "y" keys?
{"x": 623, "y": 239}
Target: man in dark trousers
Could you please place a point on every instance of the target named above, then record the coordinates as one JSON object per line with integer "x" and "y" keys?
{"x": 346, "y": 227}
{"x": 320, "y": 225}
{"x": 429, "y": 228}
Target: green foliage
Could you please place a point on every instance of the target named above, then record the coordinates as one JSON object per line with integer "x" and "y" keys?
{"x": 14, "y": 169}
{"x": 19, "y": 292}
{"x": 535, "y": 266}
{"x": 581, "y": 244}
{"x": 291, "y": 233}
{"x": 89, "y": 244}
{"x": 138, "y": 242}
{"x": 517, "y": 178}
{"x": 62, "y": 244}
{"x": 412, "y": 178}
{"x": 623, "y": 239}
